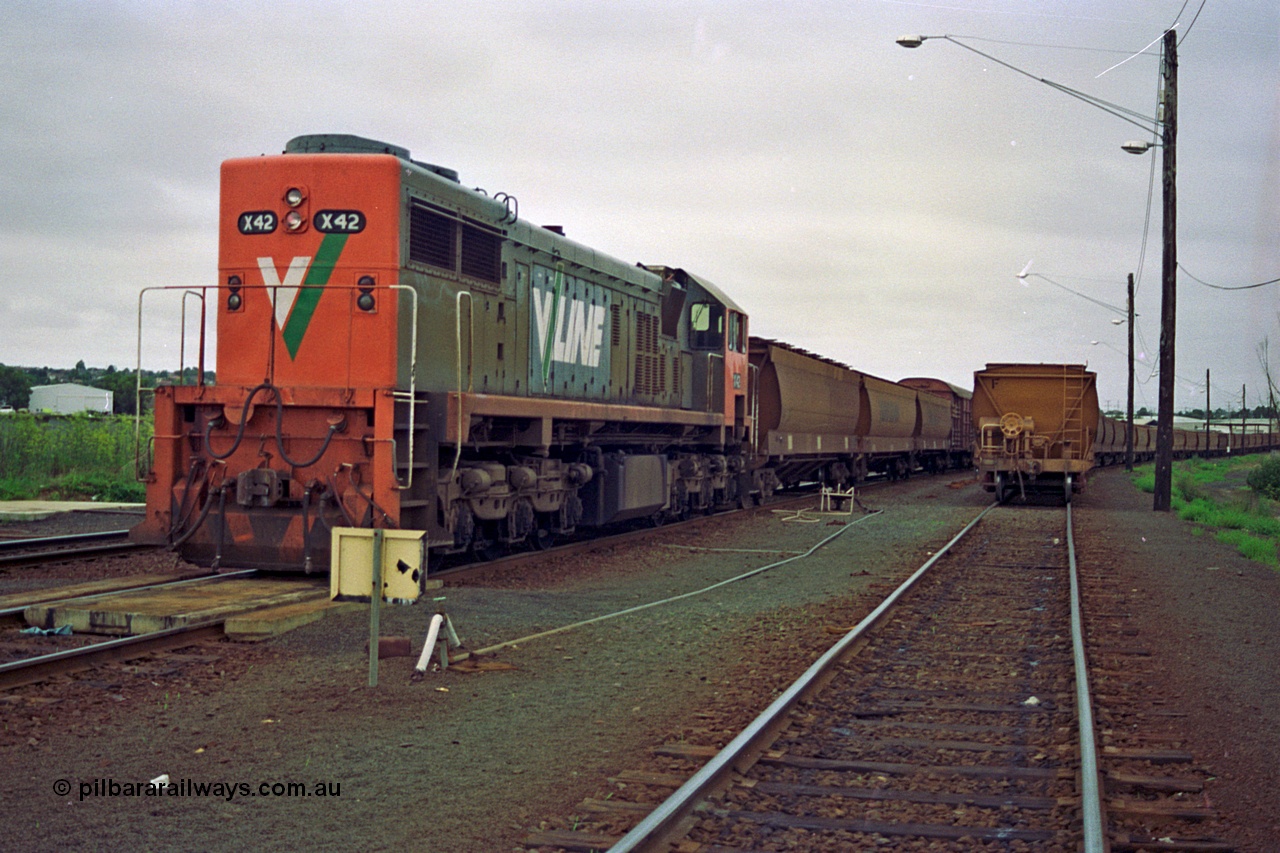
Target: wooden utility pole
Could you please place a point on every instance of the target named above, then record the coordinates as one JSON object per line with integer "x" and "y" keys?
{"x": 1163, "y": 500}
{"x": 1128, "y": 431}
{"x": 1208, "y": 411}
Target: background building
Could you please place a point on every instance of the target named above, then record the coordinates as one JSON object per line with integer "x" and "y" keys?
{"x": 69, "y": 398}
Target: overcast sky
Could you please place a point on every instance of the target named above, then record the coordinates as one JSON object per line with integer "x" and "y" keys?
{"x": 868, "y": 202}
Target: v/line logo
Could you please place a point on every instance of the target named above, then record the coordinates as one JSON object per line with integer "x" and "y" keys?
{"x": 568, "y": 331}
{"x": 294, "y": 298}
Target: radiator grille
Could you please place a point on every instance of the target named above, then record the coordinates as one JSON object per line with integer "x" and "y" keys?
{"x": 481, "y": 254}
{"x": 651, "y": 370}
{"x": 431, "y": 238}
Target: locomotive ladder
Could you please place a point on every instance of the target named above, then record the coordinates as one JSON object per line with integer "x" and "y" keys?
{"x": 415, "y": 502}
{"x": 1073, "y": 428}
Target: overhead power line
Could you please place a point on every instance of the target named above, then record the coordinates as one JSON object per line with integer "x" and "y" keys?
{"x": 1188, "y": 274}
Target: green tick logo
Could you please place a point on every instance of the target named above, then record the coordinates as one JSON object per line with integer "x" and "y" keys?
{"x": 296, "y": 296}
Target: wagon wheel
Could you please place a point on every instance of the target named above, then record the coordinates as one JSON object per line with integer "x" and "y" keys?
{"x": 1066, "y": 489}
{"x": 1000, "y": 488}
{"x": 1011, "y": 424}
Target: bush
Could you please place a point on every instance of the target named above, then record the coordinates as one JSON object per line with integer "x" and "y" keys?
{"x": 19, "y": 489}
{"x": 1186, "y": 486}
{"x": 97, "y": 487}
{"x": 1265, "y": 479}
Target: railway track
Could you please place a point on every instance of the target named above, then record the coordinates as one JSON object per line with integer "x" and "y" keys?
{"x": 34, "y": 551}
{"x": 957, "y": 712}
{"x": 91, "y": 650}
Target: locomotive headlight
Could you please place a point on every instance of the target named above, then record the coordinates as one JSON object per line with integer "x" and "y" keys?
{"x": 293, "y": 221}
{"x": 234, "y": 300}
{"x": 293, "y": 197}
{"x": 365, "y": 301}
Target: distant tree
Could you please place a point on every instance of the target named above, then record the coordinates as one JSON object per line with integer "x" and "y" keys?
{"x": 1142, "y": 413}
{"x": 124, "y": 391}
{"x": 15, "y": 387}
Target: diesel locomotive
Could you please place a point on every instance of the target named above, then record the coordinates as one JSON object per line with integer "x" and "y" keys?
{"x": 397, "y": 350}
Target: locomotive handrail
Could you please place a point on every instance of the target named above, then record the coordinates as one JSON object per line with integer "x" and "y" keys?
{"x": 413, "y": 391}
{"x": 138, "y": 472}
{"x": 182, "y": 339}
{"x": 753, "y": 388}
{"x": 471, "y": 344}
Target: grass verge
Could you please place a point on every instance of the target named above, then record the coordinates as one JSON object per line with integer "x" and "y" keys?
{"x": 69, "y": 458}
{"x": 1240, "y": 517}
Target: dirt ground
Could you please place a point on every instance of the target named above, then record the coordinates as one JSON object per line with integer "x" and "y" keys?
{"x": 1212, "y": 621}
{"x": 474, "y": 761}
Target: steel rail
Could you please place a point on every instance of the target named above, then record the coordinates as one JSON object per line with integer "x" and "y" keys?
{"x": 49, "y": 556}
{"x": 660, "y": 825}
{"x": 42, "y": 541}
{"x": 18, "y": 610}
{"x": 32, "y": 670}
{"x": 1091, "y": 790}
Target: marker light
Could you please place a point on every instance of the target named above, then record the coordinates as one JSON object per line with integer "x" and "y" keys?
{"x": 293, "y": 197}
{"x": 365, "y": 301}
{"x": 293, "y": 221}
{"x": 234, "y": 300}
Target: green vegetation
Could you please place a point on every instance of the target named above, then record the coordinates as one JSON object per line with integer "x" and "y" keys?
{"x": 1246, "y": 517}
{"x": 1265, "y": 479}
{"x": 76, "y": 457}
{"x": 16, "y": 383}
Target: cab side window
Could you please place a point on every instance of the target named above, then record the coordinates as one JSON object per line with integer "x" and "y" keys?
{"x": 737, "y": 329}
{"x": 706, "y": 326}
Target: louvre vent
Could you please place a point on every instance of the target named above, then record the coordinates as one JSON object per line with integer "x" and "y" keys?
{"x": 431, "y": 238}
{"x": 481, "y": 254}
{"x": 650, "y": 377}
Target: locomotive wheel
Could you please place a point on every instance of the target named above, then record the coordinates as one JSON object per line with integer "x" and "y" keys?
{"x": 482, "y": 547}
{"x": 541, "y": 538}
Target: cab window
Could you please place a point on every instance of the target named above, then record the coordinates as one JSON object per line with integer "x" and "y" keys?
{"x": 706, "y": 326}
{"x": 737, "y": 335}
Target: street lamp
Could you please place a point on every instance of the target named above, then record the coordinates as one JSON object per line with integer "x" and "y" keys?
{"x": 1168, "y": 127}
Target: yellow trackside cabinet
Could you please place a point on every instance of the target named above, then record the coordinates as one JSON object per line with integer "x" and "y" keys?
{"x": 351, "y": 565}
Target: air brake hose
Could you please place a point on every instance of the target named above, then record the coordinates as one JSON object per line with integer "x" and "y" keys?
{"x": 244, "y": 420}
